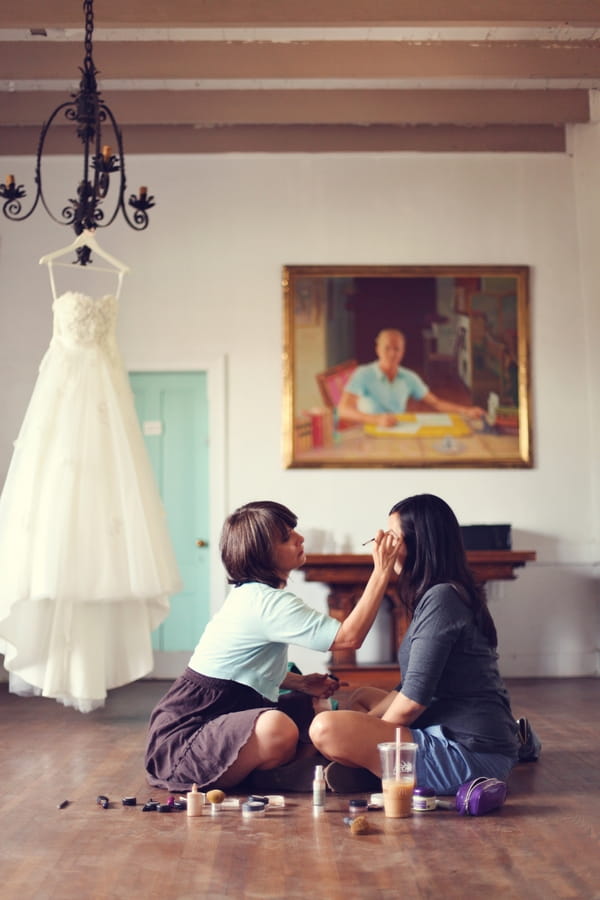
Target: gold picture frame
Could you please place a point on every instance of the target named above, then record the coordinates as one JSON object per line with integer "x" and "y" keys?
{"x": 466, "y": 331}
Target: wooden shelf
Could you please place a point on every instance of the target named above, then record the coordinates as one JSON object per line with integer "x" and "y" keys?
{"x": 350, "y": 568}
{"x": 381, "y": 675}
{"x": 346, "y": 574}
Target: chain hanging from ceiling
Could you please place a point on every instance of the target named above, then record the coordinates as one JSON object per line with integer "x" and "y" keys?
{"x": 101, "y": 166}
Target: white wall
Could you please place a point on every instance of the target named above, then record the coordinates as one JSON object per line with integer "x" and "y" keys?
{"x": 206, "y": 280}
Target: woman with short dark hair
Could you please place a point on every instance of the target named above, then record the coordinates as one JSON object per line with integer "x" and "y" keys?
{"x": 223, "y": 719}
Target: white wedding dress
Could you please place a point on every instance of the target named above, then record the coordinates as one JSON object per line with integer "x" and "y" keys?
{"x": 86, "y": 561}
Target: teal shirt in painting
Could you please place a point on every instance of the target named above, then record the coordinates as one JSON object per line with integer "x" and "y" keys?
{"x": 377, "y": 394}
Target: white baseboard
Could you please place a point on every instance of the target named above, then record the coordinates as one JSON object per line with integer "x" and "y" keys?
{"x": 166, "y": 665}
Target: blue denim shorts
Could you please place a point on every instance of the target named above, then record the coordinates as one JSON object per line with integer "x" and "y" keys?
{"x": 443, "y": 764}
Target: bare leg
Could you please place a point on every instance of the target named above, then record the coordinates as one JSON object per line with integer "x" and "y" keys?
{"x": 351, "y": 737}
{"x": 272, "y": 743}
{"x": 363, "y": 699}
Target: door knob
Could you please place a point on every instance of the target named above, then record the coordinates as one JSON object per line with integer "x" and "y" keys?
{"x": 201, "y": 543}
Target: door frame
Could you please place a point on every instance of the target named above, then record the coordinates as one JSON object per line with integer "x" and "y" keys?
{"x": 215, "y": 369}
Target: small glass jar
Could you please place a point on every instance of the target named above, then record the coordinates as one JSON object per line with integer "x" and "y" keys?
{"x": 253, "y": 808}
{"x": 423, "y": 799}
{"x": 357, "y": 807}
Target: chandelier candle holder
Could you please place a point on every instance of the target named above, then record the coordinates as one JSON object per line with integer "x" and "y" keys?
{"x": 101, "y": 166}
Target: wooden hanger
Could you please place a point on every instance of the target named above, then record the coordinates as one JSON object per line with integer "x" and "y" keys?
{"x": 87, "y": 239}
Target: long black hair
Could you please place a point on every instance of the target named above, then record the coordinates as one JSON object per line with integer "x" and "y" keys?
{"x": 248, "y": 541}
{"x": 435, "y": 554}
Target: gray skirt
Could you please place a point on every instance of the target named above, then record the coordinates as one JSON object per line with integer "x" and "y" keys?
{"x": 198, "y": 728}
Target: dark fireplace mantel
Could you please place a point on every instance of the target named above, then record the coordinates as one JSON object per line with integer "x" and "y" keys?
{"x": 346, "y": 574}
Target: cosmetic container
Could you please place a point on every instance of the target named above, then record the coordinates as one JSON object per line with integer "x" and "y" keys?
{"x": 251, "y": 809}
{"x": 357, "y": 807}
{"x": 318, "y": 786}
{"x": 424, "y": 799}
{"x": 194, "y": 801}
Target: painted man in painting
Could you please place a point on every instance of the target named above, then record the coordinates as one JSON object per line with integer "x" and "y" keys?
{"x": 377, "y": 392}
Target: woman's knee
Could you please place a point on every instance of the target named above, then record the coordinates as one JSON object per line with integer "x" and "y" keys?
{"x": 322, "y": 728}
{"x": 277, "y": 734}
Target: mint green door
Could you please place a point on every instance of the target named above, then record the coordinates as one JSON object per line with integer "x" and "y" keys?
{"x": 173, "y": 411}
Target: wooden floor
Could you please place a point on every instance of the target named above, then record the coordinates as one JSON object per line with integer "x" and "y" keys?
{"x": 544, "y": 843}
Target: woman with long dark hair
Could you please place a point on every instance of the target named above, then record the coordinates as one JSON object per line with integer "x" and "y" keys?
{"x": 451, "y": 701}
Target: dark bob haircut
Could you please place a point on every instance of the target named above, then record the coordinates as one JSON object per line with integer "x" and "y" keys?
{"x": 248, "y": 538}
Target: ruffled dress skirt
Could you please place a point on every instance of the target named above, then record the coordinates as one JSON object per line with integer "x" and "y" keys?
{"x": 86, "y": 561}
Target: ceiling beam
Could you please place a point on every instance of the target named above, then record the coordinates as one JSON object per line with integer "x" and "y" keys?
{"x": 305, "y": 13}
{"x": 322, "y": 107}
{"x": 314, "y": 59}
{"x": 303, "y": 139}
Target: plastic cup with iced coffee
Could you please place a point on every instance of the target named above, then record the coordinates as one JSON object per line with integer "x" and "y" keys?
{"x": 398, "y": 773}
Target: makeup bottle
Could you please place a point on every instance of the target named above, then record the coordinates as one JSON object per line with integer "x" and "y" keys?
{"x": 318, "y": 787}
{"x": 195, "y": 801}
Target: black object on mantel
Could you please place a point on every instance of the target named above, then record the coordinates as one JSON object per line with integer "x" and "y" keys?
{"x": 486, "y": 537}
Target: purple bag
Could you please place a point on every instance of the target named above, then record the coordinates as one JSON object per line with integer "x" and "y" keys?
{"x": 480, "y": 796}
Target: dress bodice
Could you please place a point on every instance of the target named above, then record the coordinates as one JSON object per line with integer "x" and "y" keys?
{"x": 83, "y": 320}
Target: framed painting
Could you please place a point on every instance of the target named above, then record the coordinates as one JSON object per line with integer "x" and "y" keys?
{"x": 406, "y": 366}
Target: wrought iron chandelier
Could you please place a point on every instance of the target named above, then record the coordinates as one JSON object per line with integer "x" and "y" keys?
{"x": 90, "y": 114}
